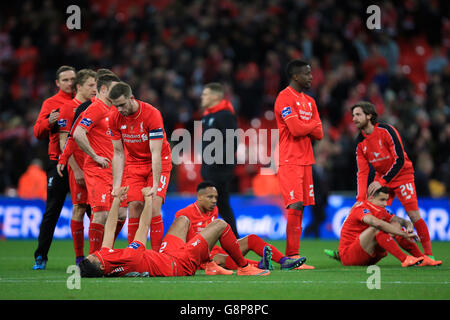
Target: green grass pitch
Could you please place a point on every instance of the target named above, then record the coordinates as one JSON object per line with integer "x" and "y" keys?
{"x": 328, "y": 281}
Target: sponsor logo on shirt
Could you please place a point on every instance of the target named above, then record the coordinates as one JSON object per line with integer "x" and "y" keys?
{"x": 123, "y": 127}
{"x": 144, "y": 137}
{"x": 365, "y": 211}
{"x": 86, "y": 122}
{"x": 286, "y": 111}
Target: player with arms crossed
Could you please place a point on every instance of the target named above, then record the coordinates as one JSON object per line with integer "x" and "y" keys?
{"x": 298, "y": 123}
{"x": 176, "y": 256}
{"x": 85, "y": 88}
{"x": 204, "y": 211}
{"x": 366, "y": 234}
{"x": 379, "y": 145}
{"x": 137, "y": 128}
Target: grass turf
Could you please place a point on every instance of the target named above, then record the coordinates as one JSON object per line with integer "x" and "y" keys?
{"x": 328, "y": 281}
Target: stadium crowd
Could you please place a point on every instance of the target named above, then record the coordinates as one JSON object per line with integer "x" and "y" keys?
{"x": 167, "y": 50}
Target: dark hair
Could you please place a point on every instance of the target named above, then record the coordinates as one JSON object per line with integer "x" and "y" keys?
{"x": 62, "y": 69}
{"x": 101, "y": 72}
{"x": 89, "y": 269}
{"x": 294, "y": 66}
{"x": 381, "y": 190}
{"x": 215, "y": 87}
{"x": 120, "y": 89}
{"x": 106, "y": 80}
{"x": 205, "y": 184}
{"x": 368, "y": 109}
{"x": 83, "y": 75}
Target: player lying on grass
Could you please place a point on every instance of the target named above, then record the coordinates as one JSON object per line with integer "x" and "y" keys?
{"x": 175, "y": 258}
{"x": 369, "y": 232}
{"x": 204, "y": 211}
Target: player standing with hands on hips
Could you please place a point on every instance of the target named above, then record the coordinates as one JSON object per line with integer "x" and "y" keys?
{"x": 298, "y": 123}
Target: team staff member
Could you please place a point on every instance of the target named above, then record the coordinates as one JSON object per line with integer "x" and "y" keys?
{"x": 204, "y": 211}
{"x": 137, "y": 128}
{"x": 176, "y": 256}
{"x": 218, "y": 113}
{"x": 57, "y": 187}
{"x": 93, "y": 136}
{"x": 298, "y": 123}
{"x": 366, "y": 235}
{"x": 380, "y": 146}
{"x": 85, "y": 88}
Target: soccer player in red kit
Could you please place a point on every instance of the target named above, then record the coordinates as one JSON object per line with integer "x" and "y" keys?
{"x": 298, "y": 122}
{"x": 366, "y": 234}
{"x": 379, "y": 145}
{"x": 85, "y": 88}
{"x": 93, "y": 136}
{"x": 138, "y": 131}
{"x": 176, "y": 257}
{"x": 57, "y": 187}
{"x": 204, "y": 211}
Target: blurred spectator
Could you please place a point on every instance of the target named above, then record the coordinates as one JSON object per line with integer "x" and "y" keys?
{"x": 33, "y": 183}
{"x": 167, "y": 50}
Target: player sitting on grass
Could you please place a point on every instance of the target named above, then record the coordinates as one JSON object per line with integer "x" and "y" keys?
{"x": 175, "y": 258}
{"x": 204, "y": 211}
{"x": 366, "y": 235}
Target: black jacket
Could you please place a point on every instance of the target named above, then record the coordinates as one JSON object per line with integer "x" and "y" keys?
{"x": 215, "y": 167}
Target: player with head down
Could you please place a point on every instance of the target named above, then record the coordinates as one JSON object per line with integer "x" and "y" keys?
{"x": 175, "y": 258}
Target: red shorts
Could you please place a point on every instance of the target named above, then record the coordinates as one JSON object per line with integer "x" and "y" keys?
{"x": 354, "y": 255}
{"x": 140, "y": 176}
{"x": 186, "y": 256}
{"x": 77, "y": 192}
{"x": 296, "y": 184}
{"x": 407, "y": 195}
{"x": 99, "y": 186}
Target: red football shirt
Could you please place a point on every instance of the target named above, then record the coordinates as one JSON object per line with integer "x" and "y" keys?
{"x": 353, "y": 225}
{"x": 95, "y": 119}
{"x": 383, "y": 149}
{"x": 42, "y": 128}
{"x": 134, "y": 261}
{"x": 296, "y": 149}
{"x": 199, "y": 220}
{"x": 136, "y": 130}
{"x": 65, "y": 120}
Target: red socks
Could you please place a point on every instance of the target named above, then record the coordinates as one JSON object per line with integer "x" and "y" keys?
{"x": 388, "y": 244}
{"x": 95, "y": 236}
{"x": 230, "y": 244}
{"x": 156, "y": 232}
{"x": 78, "y": 237}
{"x": 424, "y": 235}
{"x": 409, "y": 246}
{"x": 293, "y": 231}
{"x": 133, "y": 225}
{"x": 256, "y": 244}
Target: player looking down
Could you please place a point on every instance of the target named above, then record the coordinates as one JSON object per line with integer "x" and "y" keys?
{"x": 175, "y": 258}
{"x": 369, "y": 232}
